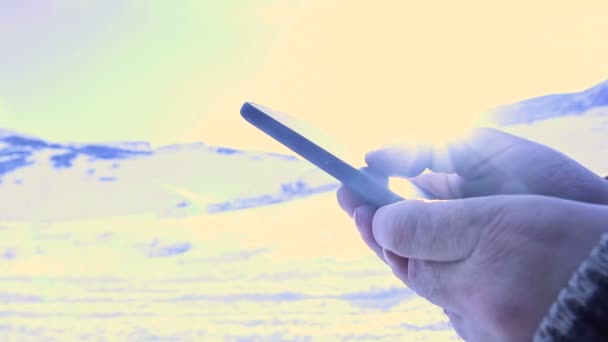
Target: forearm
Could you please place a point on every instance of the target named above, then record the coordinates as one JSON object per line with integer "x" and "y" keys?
{"x": 581, "y": 310}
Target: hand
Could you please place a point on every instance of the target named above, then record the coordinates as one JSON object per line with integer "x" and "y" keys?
{"x": 495, "y": 264}
{"x": 490, "y": 162}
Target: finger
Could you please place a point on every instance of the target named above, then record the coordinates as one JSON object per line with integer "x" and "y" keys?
{"x": 436, "y": 282}
{"x": 470, "y": 157}
{"x": 399, "y": 265}
{"x": 437, "y": 231}
{"x": 348, "y": 200}
{"x": 401, "y": 160}
{"x": 490, "y": 162}
{"x": 378, "y": 177}
{"x": 363, "y": 220}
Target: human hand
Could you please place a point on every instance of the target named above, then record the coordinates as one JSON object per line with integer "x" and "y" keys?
{"x": 495, "y": 264}
{"x": 490, "y": 162}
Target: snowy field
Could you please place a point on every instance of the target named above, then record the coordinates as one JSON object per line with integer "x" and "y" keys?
{"x": 124, "y": 249}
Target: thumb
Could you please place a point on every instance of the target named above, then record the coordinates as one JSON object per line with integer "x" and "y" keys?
{"x": 439, "y": 230}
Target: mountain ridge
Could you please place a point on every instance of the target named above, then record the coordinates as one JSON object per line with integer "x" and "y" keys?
{"x": 550, "y": 106}
{"x": 49, "y": 180}
{"x": 16, "y": 147}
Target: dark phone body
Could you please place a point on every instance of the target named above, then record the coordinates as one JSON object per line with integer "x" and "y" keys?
{"x": 372, "y": 192}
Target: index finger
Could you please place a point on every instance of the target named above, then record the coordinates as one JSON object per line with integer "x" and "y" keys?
{"x": 470, "y": 157}
{"x": 349, "y": 200}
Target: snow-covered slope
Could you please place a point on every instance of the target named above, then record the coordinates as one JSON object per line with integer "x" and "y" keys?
{"x": 575, "y": 123}
{"x": 52, "y": 181}
{"x": 551, "y": 106}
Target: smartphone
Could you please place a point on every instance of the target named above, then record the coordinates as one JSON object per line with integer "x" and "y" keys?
{"x": 282, "y": 128}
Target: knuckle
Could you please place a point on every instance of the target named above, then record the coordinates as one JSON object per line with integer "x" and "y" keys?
{"x": 413, "y": 275}
{"x": 426, "y": 281}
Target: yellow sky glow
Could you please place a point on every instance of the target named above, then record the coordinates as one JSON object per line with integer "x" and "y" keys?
{"x": 369, "y": 73}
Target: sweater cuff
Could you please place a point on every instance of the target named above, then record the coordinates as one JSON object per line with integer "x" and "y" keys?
{"x": 581, "y": 309}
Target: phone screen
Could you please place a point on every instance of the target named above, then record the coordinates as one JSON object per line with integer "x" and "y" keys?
{"x": 291, "y": 133}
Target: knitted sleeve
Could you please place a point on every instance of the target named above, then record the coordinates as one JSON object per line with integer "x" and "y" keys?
{"x": 581, "y": 310}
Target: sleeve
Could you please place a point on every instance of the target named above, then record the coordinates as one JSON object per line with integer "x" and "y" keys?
{"x": 581, "y": 310}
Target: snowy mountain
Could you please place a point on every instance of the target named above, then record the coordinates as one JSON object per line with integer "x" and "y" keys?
{"x": 49, "y": 181}
{"x": 575, "y": 123}
{"x": 550, "y": 106}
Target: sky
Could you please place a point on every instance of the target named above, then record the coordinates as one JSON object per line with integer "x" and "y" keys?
{"x": 365, "y": 73}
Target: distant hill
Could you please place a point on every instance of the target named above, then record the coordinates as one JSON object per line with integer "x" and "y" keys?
{"x": 50, "y": 180}
{"x": 550, "y": 106}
